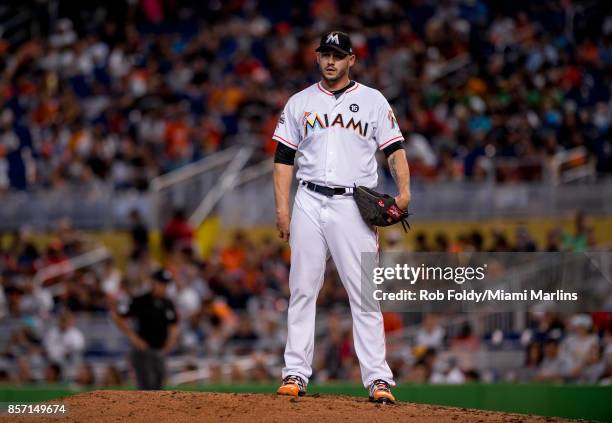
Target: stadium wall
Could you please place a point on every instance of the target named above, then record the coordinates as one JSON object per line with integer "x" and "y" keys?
{"x": 212, "y": 233}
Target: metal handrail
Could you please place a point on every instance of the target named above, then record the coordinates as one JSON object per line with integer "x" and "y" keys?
{"x": 84, "y": 260}
{"x": 189, "y": 171}
{"x": 226, "y": 182}
{"x": 255, "y": 171}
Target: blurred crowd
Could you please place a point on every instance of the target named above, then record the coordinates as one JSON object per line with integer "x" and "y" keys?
{"x": 581, "y": 237}
{"x": 572, "y": 348}
{"x": 233, "y": 305}
{"x": 119, "y": 93}
{"x": 215, "y": 299}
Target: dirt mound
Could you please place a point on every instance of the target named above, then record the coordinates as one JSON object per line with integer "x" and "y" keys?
{"x": 180, "y": 406}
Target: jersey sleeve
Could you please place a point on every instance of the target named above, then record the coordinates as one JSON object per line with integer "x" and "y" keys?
{"x": 387, "y": 129}
{"x": 287, "y": 130}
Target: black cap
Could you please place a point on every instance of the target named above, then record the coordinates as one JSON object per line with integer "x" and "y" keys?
{"x": 336, "y": 40}
{"x": 163, "y": 276}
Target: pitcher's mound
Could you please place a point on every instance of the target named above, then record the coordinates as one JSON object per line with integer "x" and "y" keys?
{"x": 181, "y": 406}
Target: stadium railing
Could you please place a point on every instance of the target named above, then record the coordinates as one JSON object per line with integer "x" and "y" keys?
{"x": 230, "y": 186}
{"x": 187, "y": 187}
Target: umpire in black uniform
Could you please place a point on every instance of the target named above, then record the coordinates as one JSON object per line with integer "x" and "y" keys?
{"x": 156, "y": 331}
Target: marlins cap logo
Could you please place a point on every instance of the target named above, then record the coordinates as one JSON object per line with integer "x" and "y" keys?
{"x": 332, "y": 38}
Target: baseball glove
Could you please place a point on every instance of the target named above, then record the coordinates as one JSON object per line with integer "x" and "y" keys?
{"x": 379, "y": 209}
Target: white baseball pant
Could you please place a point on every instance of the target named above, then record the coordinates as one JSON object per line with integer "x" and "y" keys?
{"x": 320, "y": 226}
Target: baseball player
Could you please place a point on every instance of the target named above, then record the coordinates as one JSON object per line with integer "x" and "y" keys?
{"x": 333, "y": 129}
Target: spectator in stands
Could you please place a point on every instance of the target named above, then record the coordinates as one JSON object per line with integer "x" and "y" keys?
{"x": 64, "y": 344}
{"x": 192, "y": 333}
{"x": 23, "y": 342}
{"x": 553, "y": 240}
{"x": 190, "y": 286}
{"x": 430, "y": 334}
{"x": 237, "y": 373}
{"x": 606, "y": 378}
{"x": 259, "y": 372}
{"x": 554, "y": 367}
{"x": 524, "y": 241}
{"x": 464, "y": 345}
{"x": 216, "y": 373}
{"x": 577, "y": 241}
{"x": 533, "y": 358}
{"x": 442, "y": 244}
{"x": 216, "y": 336}
{"x": 69, "y": 240}
{"x": 156, "y": 334}
{"x": 500, "y": 242}
{"x": 607, "y": 340}
{"x": 5, "y": 377}
{"x": 138, "y": 232}
{"x": 53, "y": 373}
{"x": 394, "y": 241}
{"x": 329, "y": 363}
{"x": 137, "y": 273}
{"x": 121, "y": 112}
{"x": 476, "y": 241}
{"x": 178, "y": 232}
{"x": 545, "y": 325}
{"x": 3, "y": 304}
{"x": 85, "y": 377}
{"x": 578, "y": 345}
{"x": 593, "y": 368}
{"x": 110, "y": 282}
{"x": 233, "y": 256}
{"x": 245, "y": 337}
{"x": 112, "y": 377}
{"x": 24, "y": 371}
{"x": 418, "y": 373}
{"x": 447, "y": 372}
{"x": 465, "y": 340}
{"x": 423, "y": 368}
{"x": 271, "y": 340}
{"x": 421, "y": 243}
{"x": 25, "y": 299}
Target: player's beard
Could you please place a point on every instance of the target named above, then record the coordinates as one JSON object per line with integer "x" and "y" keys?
{"x": 339, "y": 75}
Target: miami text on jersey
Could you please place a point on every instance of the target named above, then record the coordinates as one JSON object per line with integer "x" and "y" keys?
{"x": 312, "y": 121}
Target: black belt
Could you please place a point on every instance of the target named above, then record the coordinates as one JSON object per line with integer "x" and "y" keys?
{"x": 327, "y": 191}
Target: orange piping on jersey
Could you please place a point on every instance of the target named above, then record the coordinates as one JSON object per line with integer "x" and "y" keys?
{"x": 323, "y": 90}
{"x": 288, "y": 142}
{"x": 392, "y": 139}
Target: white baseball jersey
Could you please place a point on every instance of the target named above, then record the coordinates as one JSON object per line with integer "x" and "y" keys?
{"x": 336, "y": 138}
